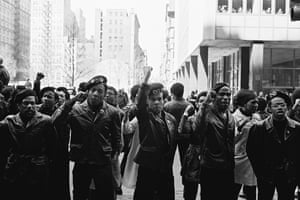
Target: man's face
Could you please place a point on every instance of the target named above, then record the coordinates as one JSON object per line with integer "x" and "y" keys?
{"x": 251, "y": 106}
{"x": 96, "y": 95}
{"x": 61, "y": 97}
{"x": 111, "y": 97}
{"x": 48, "y": 99}
{"x": 222, "y": 100}
{"x": 27, "y": 107}
{"x": 278, "y": 108}
{"x": 156, "y": 102}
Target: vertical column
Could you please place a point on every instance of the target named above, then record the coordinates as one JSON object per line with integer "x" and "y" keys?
{"x": 244, "y": 68}
{"x": 256, "y": 66}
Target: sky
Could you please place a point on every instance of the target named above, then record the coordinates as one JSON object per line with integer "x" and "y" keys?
{"x": 151, "y": 17}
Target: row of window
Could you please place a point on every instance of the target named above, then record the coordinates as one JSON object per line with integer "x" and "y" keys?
{"x": 116, "y": 22}
{"x": 252, "y": 6}
{"x": 116, "y": 13}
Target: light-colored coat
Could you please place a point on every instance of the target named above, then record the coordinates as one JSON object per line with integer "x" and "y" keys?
{"x": 243, "y": 171}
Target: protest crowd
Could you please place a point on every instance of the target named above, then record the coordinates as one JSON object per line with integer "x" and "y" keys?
{"x": 230, "y": 145}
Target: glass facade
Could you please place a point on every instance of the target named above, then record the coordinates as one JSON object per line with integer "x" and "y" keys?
{"x": 280, "y": 7}
{"x": 227, "y": 69}
{"x": 249, "y": 6}
{"x": 222, "y": 6}
{"x": 281, "y": 68}
{"x": 237, "y": 6}
{"x": 267, "y": 6}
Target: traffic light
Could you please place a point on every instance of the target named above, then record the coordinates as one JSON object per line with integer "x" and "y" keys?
{"x": 295, "y": 10}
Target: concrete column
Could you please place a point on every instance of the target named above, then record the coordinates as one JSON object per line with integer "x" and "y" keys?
{"x": 245, "y": 67}
{"x": 256, "y": 66}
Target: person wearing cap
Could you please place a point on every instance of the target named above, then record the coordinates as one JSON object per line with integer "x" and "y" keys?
{"x": 157, "y": 145}
{"x": 95, "y": 139}
{"x": 28, "y": 139}
{"x": 244, "y": 117}
{"x": 214, "y": 129}
{"x": 273, "y": 148}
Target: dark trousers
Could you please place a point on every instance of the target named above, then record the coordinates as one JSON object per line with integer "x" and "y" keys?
{"x": 26, "y": 189}
{"x": 285, "y": 188}
{"x": 249, "y": 191}
{"x": 216, "y": 184}
{"x": 152, "y": 184}
{"x": 102, "y": 176}
{"x": 190, "y": 190}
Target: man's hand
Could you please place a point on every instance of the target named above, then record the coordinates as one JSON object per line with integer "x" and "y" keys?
{"x": 297, "y": 103}
{"x": 189, "y": 110}
{"x": 80, "y": 97}
{"x": 39, "y": 76}
{"x": 148, "y": 74}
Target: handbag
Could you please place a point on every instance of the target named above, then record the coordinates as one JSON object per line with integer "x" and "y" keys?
{"x": 191, "y": 167}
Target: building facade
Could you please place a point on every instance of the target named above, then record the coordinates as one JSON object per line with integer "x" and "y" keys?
{"x": 247, "y": 43}
{"x": 117, "y": 45}
{"x": 166, "y": 75}
{"x": 15, "y": 37}
{"x": 47, "y": 41}
{"x": 82, "y": 25}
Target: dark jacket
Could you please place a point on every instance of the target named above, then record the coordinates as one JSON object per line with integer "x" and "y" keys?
{"x": 29, "y": 149}
{"x": 216, "y": 137}
{"x": 94, "y": 136}
{"x": 177, "y": 108}
{"x": 269, "y": 155}
{"x": 157, "y": 145}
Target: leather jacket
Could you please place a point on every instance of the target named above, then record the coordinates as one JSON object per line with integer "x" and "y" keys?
{"x": 158, "y": 146}
{"x": 269, "y": 155}
{"x": 216, "y": 137}
{"x": 95, "y": 137}
{"x": 27, "y": 148}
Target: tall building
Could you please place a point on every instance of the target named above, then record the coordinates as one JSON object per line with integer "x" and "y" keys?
{"x": 117, "y": 44}
{"x": 15, "y": 37}
{"x": 166, "y": 73}
{"x": 48, "y": 26}
{"x": 82, "y": 25}
{"x": 247, "y": 43}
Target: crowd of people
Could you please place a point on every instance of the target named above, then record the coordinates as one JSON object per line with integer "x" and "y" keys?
{"x": 226, "y": 142}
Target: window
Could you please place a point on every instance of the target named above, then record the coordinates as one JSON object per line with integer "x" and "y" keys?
{"x": 237, "y": 6}
{"x": 280, "y": 7}
{"x": 222, "y": 6}
{"x": 249, "y": 6}
{"x": 267, "y": 6}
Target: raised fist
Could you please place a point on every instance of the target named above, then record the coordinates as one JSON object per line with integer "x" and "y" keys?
{"x": 40, "y": 76}
{"x": 189, "y": 110}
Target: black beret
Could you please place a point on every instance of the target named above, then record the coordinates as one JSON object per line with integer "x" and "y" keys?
{"x": 243, "y": 96}
{"x": 155, "y": 88}
{"x": 46, "y": 89}
{"x": 96, "y": 80}
{"x": 296, "y": 94}
{"x": 23, "y": 94}
{"x": 282, "y": 95}
{"x": 218, "y": 86}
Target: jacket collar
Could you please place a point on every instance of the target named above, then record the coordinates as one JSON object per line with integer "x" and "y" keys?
{"x": 270, "y": 125}
{"x": 17, "y": 119}
{"x": 287, "y": 132}
{"x": 87, "y": 110}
